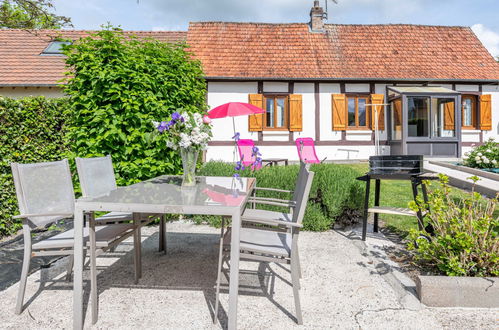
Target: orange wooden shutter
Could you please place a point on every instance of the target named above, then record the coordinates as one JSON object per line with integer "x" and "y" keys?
{"x": 485, "y": 122}
{"x": 397, "y": 112}
{"x": 339, "y": 102}
{"x": 255, "y": 122}
{"x": 449, "y": 116}
{"x": 378, "y": 99}
{"x": 295, "y": 113}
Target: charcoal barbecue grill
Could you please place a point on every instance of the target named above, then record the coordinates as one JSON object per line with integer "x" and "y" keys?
{"x": 394, "y": 167}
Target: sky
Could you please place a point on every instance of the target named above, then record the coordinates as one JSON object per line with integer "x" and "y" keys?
{"x": 174, "y": 15}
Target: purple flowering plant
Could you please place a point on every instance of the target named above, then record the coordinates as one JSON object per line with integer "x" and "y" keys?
{"x": 185, "y": 130}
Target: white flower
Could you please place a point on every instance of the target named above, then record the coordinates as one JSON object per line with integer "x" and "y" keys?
{"x": 477, "y": 158}
{"x": 484, "y": 157}
{"x": 155, "y": 124}
{"x": 478, "y": 161}
{"x": 479, "y": 154}
{"x": 488, "y": 150}
{"x": 494, "y": 161}
{"x": 486, "y": 161}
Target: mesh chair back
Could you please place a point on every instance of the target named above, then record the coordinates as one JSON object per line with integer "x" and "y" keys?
{"x": 96, "y": 175}
{"x": 44, "y": 188}
{"x": 299, "y": 181}
{"x": 245, "y": 147}
{"x": 306, "y": 150}
{"x": 303, "y": 192}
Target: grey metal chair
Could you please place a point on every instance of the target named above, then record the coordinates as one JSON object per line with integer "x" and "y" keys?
{"x": 261, "y": 245}
{"x": 45, "y": 195}
{"x": 97, "y": 178}
{"x": 254, "y": 215}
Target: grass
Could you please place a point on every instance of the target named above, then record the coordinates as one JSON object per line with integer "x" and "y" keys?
{"x": 398, "y": 193}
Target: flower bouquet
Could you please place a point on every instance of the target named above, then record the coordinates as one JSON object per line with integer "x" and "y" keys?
{"x": 190, "y": 134}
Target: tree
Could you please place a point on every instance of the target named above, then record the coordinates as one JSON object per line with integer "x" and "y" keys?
{"x": 30, "y": 14}
{"x": 118, "y": 85}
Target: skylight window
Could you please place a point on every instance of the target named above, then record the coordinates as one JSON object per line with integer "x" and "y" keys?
{"x": 55, "y": 48}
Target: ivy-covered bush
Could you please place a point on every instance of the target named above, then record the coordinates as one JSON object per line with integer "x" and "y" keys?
{"x": 32, "y": 129}
{"x": 117, "y": 85}
{"x": 335, "y": 193}
{"x": 465, "y": 241}
{"x": 484, "y": 156}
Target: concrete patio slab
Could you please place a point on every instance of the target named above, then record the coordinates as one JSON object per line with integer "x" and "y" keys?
{"x": 342, "y": 288}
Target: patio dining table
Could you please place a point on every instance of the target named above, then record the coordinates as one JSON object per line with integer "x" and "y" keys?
{"x": 163, "y": 195}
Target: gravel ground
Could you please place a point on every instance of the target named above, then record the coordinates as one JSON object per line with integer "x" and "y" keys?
{"x": 342, "y": 288}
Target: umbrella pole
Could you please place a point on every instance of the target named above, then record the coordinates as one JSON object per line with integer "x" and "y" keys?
{"x": 235, "y": 142}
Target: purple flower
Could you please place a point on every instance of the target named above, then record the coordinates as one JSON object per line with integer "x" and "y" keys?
{"x": 256, "y": 151}
{"x": 162, "y": 126}
{"x": 236, "y": 175}
{"x": 236, "y": 136}
{"x": 176, "y": 117}
{"x": 239, "y": 166}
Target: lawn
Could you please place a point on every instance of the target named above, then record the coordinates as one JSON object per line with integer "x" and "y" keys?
{"x": 398, "y": 193}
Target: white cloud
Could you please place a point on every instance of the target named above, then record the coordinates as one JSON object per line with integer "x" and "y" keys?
{"x": 488, "y": 37}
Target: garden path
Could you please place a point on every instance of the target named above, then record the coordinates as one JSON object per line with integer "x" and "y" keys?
{"x": 344, "y": 286}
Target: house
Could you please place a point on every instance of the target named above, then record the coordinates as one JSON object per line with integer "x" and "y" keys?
{"x": 412, "y": 89}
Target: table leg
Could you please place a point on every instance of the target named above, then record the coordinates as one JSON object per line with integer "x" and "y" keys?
{"x": 78, "y": 270}
{"x": 234, "y": 270}
{"x": 376, "y": 203}
{"x": 93, "y": 269}
{"x": 366, "y": 208}
{"x": 161, "y": 232}
{"x": 137, "y": 247}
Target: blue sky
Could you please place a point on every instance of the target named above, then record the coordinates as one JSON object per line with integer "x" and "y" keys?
{"x": 481, "y": 15}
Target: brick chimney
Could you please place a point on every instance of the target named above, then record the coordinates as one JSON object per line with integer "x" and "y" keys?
{"x": 317, "y": 18}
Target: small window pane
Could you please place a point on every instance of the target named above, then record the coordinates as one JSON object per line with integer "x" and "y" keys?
{"x": 418, "y": 112}
{"x": 362, "y": 111}
{"x": 270, "y": 112}
{"x": 55, "y": 47}
{"x": 351, "y": 112}
{"x": 280, "y": 112}
{"x": 467, "y": 112}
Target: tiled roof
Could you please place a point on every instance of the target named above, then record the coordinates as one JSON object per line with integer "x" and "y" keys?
{"x": 284, "y": 51}
{"x": 22, "y": 65}
{"x": 395, "y": 51}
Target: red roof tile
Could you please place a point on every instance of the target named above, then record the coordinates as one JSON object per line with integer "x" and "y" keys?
{"x": 273, "y": 51}
{"x": 21, "y": 63}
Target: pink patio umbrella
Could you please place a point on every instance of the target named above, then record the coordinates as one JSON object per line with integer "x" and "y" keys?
{"x": 234, "y": 109}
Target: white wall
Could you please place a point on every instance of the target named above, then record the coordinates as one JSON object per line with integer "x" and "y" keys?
{"x": 18, "y": 92}
{"x": 223, "y": 92}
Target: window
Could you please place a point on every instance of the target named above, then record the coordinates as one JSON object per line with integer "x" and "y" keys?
{"x": 276, "y": 112}
{"x": 468, "y": 111}
{"x": 357, "y": 114}
{"x": 55, "y": 48}
{"x": 418, "y": 114}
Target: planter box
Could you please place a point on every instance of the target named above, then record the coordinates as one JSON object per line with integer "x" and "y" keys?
{"x": 470, "y": 170}
{"x": 450, "y": 291}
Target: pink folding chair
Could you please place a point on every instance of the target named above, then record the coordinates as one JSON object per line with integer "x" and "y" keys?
{"x": 306, "y": 151}
{"x": 245, "y": 147}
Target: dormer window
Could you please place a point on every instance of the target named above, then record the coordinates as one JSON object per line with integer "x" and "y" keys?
{"x": 55, "y": 48}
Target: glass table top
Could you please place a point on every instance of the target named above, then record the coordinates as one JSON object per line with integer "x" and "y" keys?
{"x": 168, "y": 190}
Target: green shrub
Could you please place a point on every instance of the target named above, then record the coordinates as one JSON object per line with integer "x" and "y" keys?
{"x": 31, "y": 130}
{"x": 465, "y": 241}
{"x": 118, "y": 85}
{"x": 484, "y": 156}
{"x": 335, "y": 192}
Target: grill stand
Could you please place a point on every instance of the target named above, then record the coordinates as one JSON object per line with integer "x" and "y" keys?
{"x": 416, "y": 180}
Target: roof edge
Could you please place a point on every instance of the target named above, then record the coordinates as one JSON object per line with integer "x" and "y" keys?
{"x": 353, "y": 79}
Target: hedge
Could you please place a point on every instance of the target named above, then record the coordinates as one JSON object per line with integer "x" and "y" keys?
{"x": 31, "y": 130}
{"x": 335, "y": 193}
